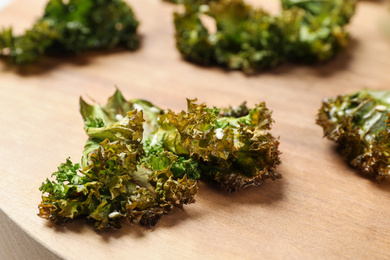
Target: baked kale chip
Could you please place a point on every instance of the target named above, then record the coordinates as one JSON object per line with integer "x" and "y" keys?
{"x": 114, "y": 185}
{"x": 232, "y": 146}
{"x": 249, "y": 39}
{"x": 234, "y": 149}
{"x": 359, "y": 123}
{"x": 117, "y": 177}
{"x": 71, "y": 27}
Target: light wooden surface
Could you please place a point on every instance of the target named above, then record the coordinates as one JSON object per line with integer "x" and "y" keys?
{"x": 321, "y": 209}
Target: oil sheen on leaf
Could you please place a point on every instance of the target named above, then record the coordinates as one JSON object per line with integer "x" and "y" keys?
{"x": 359, "y": 123}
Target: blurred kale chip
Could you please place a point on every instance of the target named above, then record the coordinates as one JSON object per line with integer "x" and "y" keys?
{"x": 359, "y": 123}
{"x": 71, "y": 27}
{"x": 314, "y": 30}
{"x": 249, "y": 39}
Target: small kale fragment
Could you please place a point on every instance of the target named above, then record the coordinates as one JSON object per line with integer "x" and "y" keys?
{"x": 250, "y": 39}
{"x": 71, "y": 27}
{"x": 115, "y": 111}
{"x": 157, "y": 158}
{"x": 359, "y": 123}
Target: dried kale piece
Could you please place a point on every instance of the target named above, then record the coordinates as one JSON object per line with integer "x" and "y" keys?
{"x": 232, "y": 151}
{"x": 114, "y": 185}
{"x": 119, "y": 177}
{"x": 251, "y": 39}
{"x": 359, "y": 123}
{"x": 71, "y": 27}
{"x": 115, "y": 181}
{"x": 232, "y": 146}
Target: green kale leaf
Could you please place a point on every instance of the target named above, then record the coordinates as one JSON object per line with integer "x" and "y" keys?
{"x": 71, "y": 27}
{"x": 158, "y": 158}
{"x": 359, "y": 123}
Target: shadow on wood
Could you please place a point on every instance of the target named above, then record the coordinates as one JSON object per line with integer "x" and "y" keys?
{"x": 48, "y": 63}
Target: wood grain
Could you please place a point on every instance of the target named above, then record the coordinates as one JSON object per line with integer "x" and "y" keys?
{"x": 320, "y": 209}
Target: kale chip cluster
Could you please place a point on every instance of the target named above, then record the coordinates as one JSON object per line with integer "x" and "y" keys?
{"x": 140, "y": 162}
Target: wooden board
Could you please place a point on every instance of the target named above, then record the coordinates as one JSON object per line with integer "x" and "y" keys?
{"x": 320, "y": 209}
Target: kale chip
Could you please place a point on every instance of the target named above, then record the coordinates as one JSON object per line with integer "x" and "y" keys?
{"x": 359, "y": 123}
{"x": 73, "y": 26}
{"x": 249, "y": 39}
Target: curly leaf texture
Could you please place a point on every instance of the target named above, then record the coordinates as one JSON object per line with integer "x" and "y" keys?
{"x": 114, "y": 181}
{"x": 140, "y": 161}
{"x": 359, "y": 123}
{"x": 250, "y": 39}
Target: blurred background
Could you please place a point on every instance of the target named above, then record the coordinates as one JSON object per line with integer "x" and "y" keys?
{"x": 3, "y": 3}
